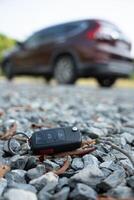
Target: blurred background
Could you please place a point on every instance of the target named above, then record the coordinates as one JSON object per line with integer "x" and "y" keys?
{"x": 79, "y": 50}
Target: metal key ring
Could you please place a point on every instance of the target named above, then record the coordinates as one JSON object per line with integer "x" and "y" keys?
{"x": 10, "y": 140}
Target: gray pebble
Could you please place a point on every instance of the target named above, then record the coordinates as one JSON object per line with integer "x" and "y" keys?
{"x": 36, "y": 172}
{"x": 128, "y": 137}
{"x": 62, "y": 194}
{"x": 113, "y": 180}
{"x": 83, "y": 192}
{"x": 17, "y": 176}
{"x": 49, "y": 165}
{"x": 64, "y": 181}
{"x": 3, "y": 185}
{"x": 90, "y": 160}
{"x": 77, "y": 164}
{"x": 18, "y": 162}
{"x": 47, "y": 181}
{"x": 130, "y": 182}
{"x": 106, "y": 164}
{"x": 121, "y": 192}
{"x": 20, "y": 194}
{"x": 96, "y": 133}
{"x": 59, "y": 161}
{"x": 128, "y": 167}
{"x": 90, "y": 175}
{"x": 31, "y": 162}
{"x": 22, "y": 186}
{"x": 42, "y": 195}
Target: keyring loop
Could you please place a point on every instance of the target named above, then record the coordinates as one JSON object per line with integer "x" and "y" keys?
{"x": 10, "y": 140}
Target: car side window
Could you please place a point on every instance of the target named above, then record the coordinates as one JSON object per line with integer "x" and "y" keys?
{"x": 45, "y": 36}
{"x": 76, "y": 27}
{"x": 51, "y": 34}
{"x": 32, "y": 41}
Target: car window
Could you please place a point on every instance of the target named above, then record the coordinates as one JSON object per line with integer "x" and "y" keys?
{"x": 51, "y": 34}
{"x": 32, "y": 41}
{"x": 75, "y": 28}
{"x": 45, "y": 36}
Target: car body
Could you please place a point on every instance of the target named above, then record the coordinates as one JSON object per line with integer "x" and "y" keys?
{"x": 85, "y": 48}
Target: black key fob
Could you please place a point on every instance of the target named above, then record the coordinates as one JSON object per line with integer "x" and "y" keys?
{"x": 55, "y": 140}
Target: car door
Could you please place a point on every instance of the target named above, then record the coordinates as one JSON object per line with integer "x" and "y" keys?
{"x": 35, "y": 54}
{"x": 26, "y": 58}
{"x": 48, "y": 43}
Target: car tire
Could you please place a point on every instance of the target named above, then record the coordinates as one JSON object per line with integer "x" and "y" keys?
{"x": 106, "y": 82}
{"x": 8, "y": 71}
{"x": 48, "y": 78}
{"x": 65, "y": 70}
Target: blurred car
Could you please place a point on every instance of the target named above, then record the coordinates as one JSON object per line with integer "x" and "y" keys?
{"x": 86, "y": 48}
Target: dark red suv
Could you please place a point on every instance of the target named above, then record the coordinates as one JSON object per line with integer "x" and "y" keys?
{"x": 86, "y": 48}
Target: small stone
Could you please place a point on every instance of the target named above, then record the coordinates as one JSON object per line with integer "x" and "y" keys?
{"x": 90, "y": 175}
{"x": 22, "y": 186}
{"x": 59, "y": 161}
{"x": 130, "y": 182}
{"x": 128, "y": 137}
{"x": 17, "y": 176}
{"x": 47, "y": 181}
{"x": 128, "y": 167}
{"x": 19, "y": 194}
{"x": 31, "y": 162}
{"x": 9, "y": 123}
{"x": 106, "y": 164}
{"x": 112, "y": 181}
{"x": 90, "y": 160}
{"x": 99, "y": 155}
{"x": 3, "y": 185}
{"x": 49, "y": 165}
{"x": 62, "y": 183}
{"x": 15, "y": 146}
{"x": 18, "y": 162}
{"x": 123, "y": 141}
{"x": 115, "y": 166}
{"x": 69, "y": 173}
{"x": 36, "y": 172}
{"x": 83, "y": 192}
{"x": 127, "y": 130}
{"x": 106, "y": 172}
{"x": 62, "y": 194}
{"x": 42, "y": 195}
{"x": 121, "y": 192}
{"x": 96, "y": 133}
{"x": 77, "y": 164}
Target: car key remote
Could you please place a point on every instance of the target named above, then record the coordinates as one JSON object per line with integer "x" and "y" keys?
{"x": 55, "y": 140}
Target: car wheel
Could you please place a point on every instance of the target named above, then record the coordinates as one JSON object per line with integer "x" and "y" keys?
{"x": 8, "y": 71}
{"x": 65, "y": 70}
{"x": 106, "y": 82}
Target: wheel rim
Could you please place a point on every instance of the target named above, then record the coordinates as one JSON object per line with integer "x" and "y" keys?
{"x": 64, "y": 70}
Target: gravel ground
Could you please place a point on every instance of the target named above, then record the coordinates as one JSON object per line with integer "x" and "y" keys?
{"x": 98, "y": 113}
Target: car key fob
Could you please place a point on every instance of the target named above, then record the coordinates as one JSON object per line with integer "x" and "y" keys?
{"x": 55, "y": 140}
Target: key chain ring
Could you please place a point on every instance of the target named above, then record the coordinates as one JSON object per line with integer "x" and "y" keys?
{"x": 10, "y": 140}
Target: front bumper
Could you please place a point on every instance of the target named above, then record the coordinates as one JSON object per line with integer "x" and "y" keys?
{"x": 112, "y": 68}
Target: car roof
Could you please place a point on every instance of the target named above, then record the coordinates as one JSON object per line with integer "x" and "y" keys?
{"x": 41, "y": 31}
{"x": 62, "y": 24}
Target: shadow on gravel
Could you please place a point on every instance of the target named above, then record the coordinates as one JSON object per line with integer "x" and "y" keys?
{"x": 121, "y": 83}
